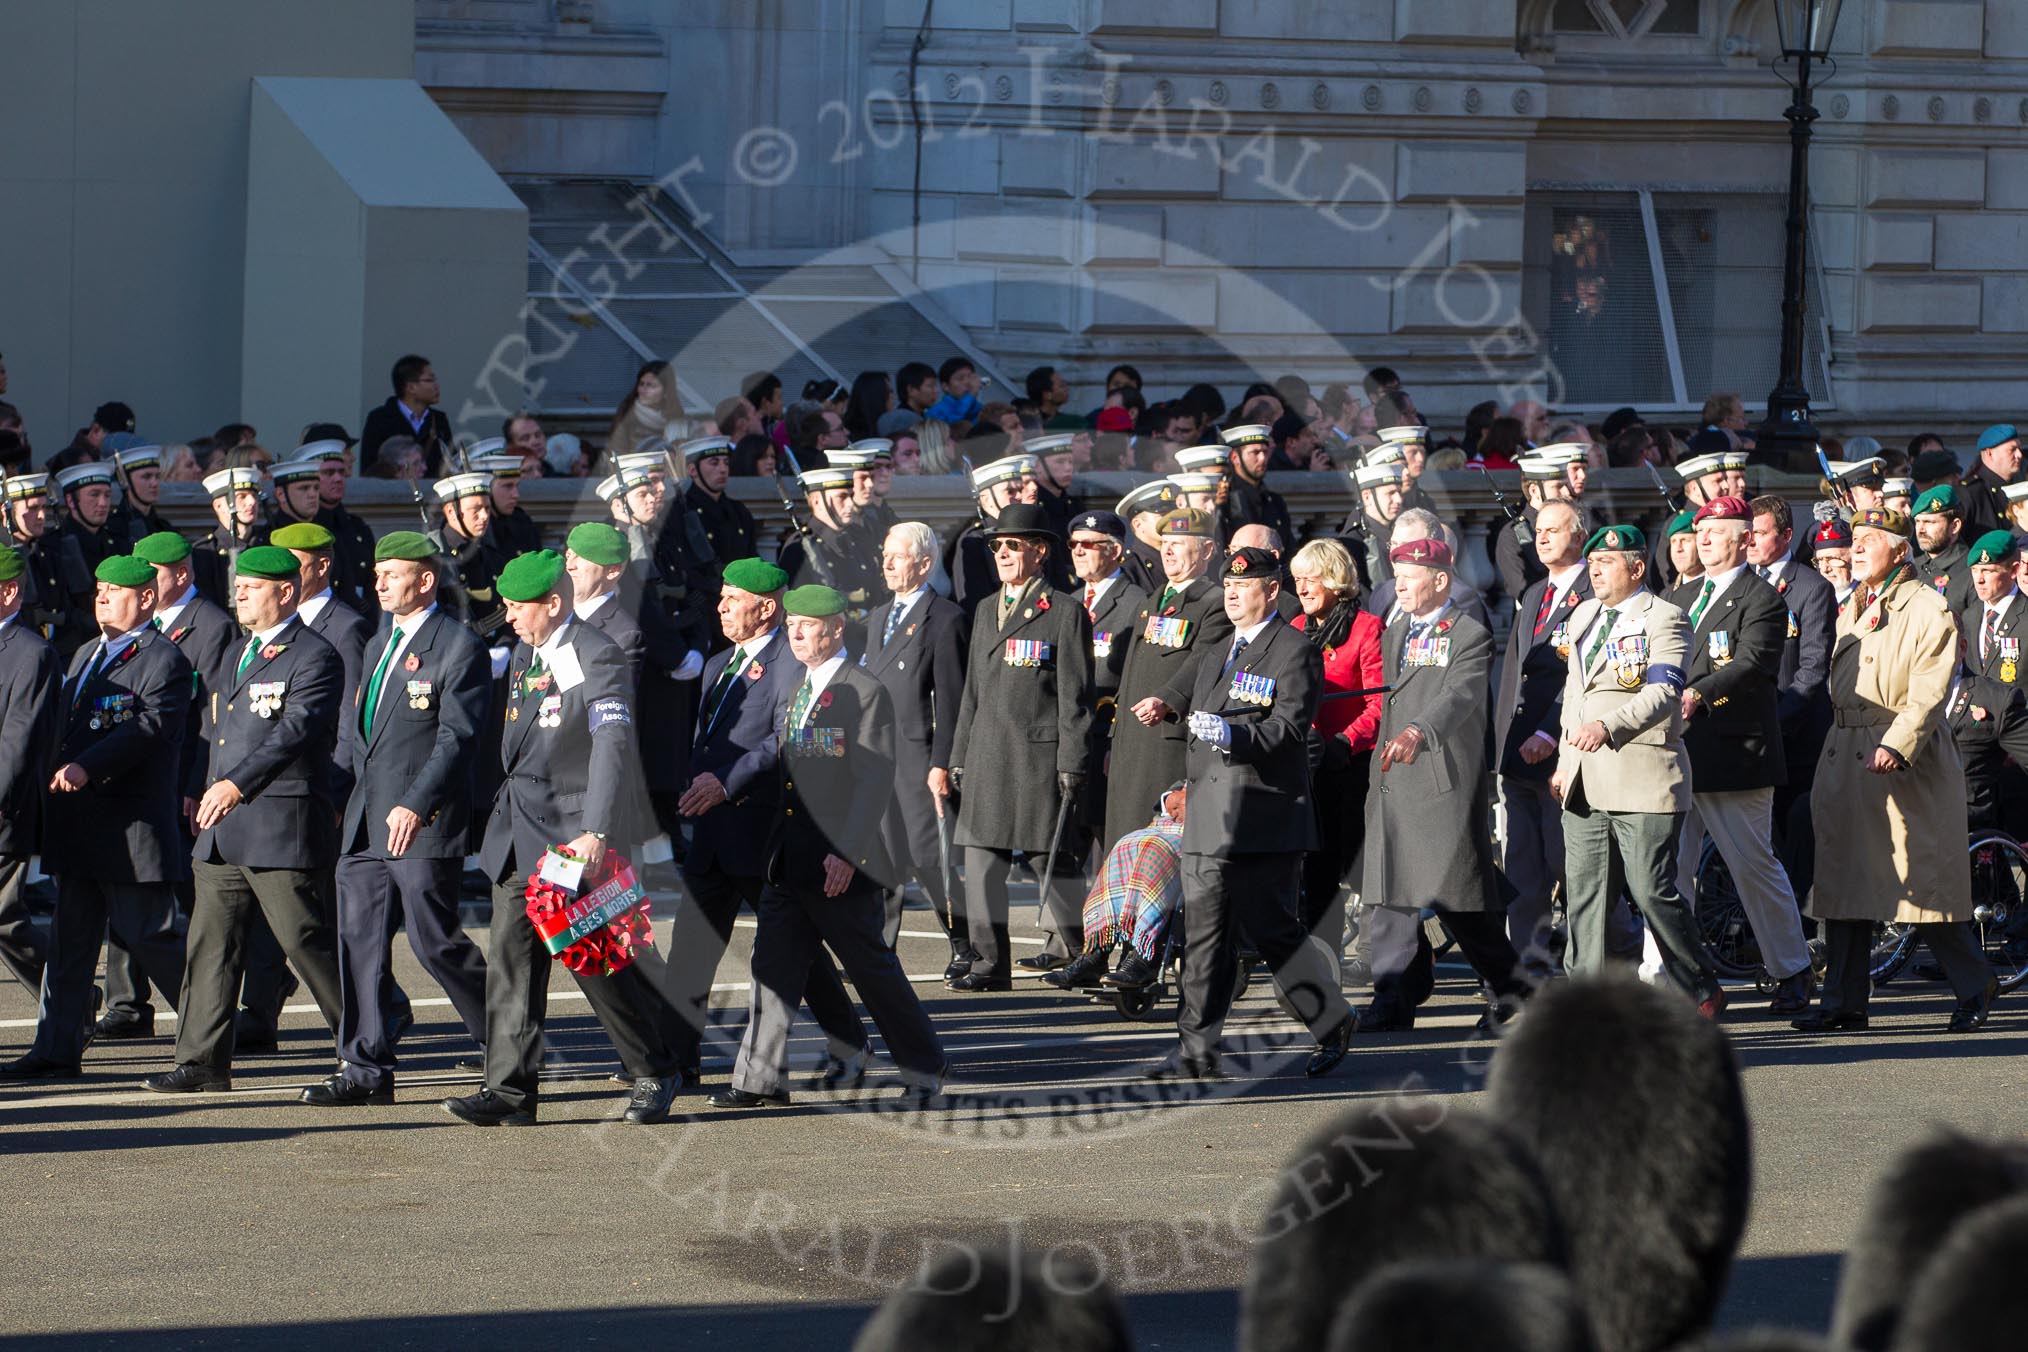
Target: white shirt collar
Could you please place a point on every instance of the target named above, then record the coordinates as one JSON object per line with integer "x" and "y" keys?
{"x": 1776, "y": 569}
{"x": 1999, "y": 607}
{"x": 1104, "y": 585}
{"x": 1561, "y": 583}
{"x": 1430, "y": 618}
{"x": 312, "y": 608}
{"x": 267, "y": 636}
{"x": 1720, "y": 581}
{"x": 1252, "y": 632}
{"x": 820, "y": 675}
{"x": 587, "y": 609}
{"x": 561, "y": 638}
{"x": 903, "y": 600}
{"x": 166, "y": 615}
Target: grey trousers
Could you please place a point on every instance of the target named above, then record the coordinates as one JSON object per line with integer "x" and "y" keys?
{"x": 1531, "y": 855}
{"x": 142, "y": 914}
{"x": 986, "y": 906}
{"x": 794, "y": 927}
{"x": 1604, "y": 852}
{"x": 228, "y": 896}
{"x": 1848, "y": 946}
{"x": 1741, "y": 826}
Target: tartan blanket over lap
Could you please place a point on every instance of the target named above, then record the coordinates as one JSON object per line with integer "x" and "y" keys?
{"x": 1137, "y": 890}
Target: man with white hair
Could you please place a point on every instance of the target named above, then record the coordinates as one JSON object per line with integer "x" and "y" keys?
{"x": 1419, "y": 523}
{"x": 914, "y": 645}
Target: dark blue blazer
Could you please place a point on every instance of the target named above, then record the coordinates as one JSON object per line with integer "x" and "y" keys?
{"x": 344, "y": 629}
{"x": 211, "y": 639}
{"x": 30, "y": 688}
{"x": 741, "y": 745}
{"x": 424, "y": 741}
{"x": 277, "y": 755}
{"x": 126, "y": 824}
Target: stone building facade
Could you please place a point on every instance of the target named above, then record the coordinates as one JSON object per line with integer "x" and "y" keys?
{"x": 1580, "y": 197}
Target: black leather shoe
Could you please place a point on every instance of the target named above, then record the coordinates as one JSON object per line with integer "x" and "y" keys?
{"x": 114, "y": 1028}
{"x": 1331, "y": 1049}
{"x": 338, "y": 1092}
{"x": 488, "y": 1109}
{"x": 470, "y": 1065}
{"x": 190, "y": 1079}
{"x": 1041, "y": 962}
{"x": 730, "y": 1097}
{"x": 1828, "y": 1021}
{"x": 979, "y": 981}
{"x": 961, "y": 963}
{"x": 650, "y": 1100}
{"x": 1133, "y": 972}
{"x": 1971, "y": 1015}
{"x": 1081, "y": 971}
{"x": 402, "y": 1021}
{"x": 834, "y": 1073}
{"x": 1179, "y": 1068}
{"x": 33, "y": 1067}
{"x": 1794, "y": 994}
{"x": 1385, "y": 1017}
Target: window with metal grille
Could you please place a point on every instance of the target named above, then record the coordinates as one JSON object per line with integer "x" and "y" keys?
{"x": 1662, "y": 298}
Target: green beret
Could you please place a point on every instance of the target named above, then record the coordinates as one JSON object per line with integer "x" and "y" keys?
{"x": 410, "y": 545}
{"x": 1683, "y": 522}
{"x": 815, "y": 601}
{"x": 1995, "y": 546}
{"x": 757, "y": 576}
{"x": 164, "y": 547}
{"x": 269, "y": 562}
{"x": 307, "y": 536}
{"x": 1942, "y": 498}
{"x": 124, "y": 570}
{"x": 532, "y": 576}
{"x": 1617, "y": 539}
{"x": 597, "y": 541}
{"x": 12, "y": 565}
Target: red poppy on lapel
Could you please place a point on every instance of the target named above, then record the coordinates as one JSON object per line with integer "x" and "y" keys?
{"x": 411, "y": 663}
{"x": 1979, "y": 715}
{"x": 753, "y": 673}
{"x": 273, "y": 650}
{"x": 1443, "y": 626}
{"x": 176, "y": 634}
{"x": 824, "y": 700}
{"x": 1042, "y": 603}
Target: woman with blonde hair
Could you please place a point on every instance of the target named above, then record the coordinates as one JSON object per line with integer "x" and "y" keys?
{"x": 1344, "y": 731}
{"x": 649, "y": 409}
{"x": 939, "y": 452}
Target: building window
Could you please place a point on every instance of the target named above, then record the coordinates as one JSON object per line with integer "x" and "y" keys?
{"x": 1662, "y": 298}
{"x": 1625, "y": 18}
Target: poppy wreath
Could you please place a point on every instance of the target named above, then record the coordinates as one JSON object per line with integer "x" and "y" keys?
{"x": 599, "y": 929}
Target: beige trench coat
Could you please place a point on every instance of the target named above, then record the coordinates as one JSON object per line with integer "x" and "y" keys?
{"x": 1892, "y": 847}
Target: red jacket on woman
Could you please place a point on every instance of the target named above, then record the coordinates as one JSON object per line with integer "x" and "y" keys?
{"x": 1352, "y": 665}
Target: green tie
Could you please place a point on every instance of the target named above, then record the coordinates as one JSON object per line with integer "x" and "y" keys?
{"x": 724, "y": 683}
{"x": 1605, "y": 629}
{"x": 1703, "y": 599}
{"x": 373, "y": 686}
{"x": 246, "y": 655}
{"x": 1168, "y": 595}
{"x": 799, "y": 707}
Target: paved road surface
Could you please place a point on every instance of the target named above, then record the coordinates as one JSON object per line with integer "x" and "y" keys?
{"x": 246, "y": 1220}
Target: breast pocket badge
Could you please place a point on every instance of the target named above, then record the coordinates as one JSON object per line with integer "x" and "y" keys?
{"x": 420, "y": 694}
{"x": 1629, "y": 657}
{"x": 1027, "y": 652}
{"x": 1720, "y": 647}
{"x": 265, "y": 697}
{"x": 549, "y": 714}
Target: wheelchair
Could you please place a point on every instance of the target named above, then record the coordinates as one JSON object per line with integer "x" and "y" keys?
{"x": 1999, "y": 915}
{"x": 1143, "y": 1004}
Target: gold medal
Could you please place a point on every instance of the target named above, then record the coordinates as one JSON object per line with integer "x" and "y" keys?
{"x": 2007, "y": 670}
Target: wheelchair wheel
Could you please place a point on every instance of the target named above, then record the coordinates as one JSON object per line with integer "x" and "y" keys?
{"x": 1721, "y": 919}
{"x": 1138, "y": 1005}
{"x": 1893, "y": 946}
{"x": 1999, "y": 911}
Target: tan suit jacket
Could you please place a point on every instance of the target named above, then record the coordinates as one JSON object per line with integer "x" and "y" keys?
{"x": 1637, "y": 695}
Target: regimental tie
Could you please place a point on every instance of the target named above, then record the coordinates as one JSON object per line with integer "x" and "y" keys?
{"x": 714, "y": 701}
{"x": 1988, "y": 632}
{"x": 1232, "y": 659}
{"x": 1091, "y": 600}
{"x": 799, "y": 707}
{"x": 894, "y": 614}
{"x": 372, "y": 703}
{"x": 1703, "y": 600}
{"x": 1605, "y": 630}
{"x": 1548, "y": 604}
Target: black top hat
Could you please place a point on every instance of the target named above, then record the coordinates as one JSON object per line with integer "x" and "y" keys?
{"x": 1024, "y": 519}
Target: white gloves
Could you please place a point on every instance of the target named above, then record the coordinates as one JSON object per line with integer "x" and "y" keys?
{"x": 500, "y": 657}
{"x": 692, "y": 668}
{"x": 1210, "y": 728}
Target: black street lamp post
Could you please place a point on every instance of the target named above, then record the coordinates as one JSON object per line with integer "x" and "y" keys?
{"x": 1806, "y": 28}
